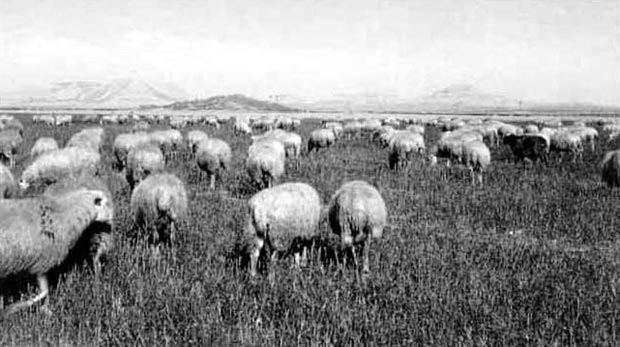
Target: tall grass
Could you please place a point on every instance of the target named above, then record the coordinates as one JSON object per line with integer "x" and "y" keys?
{"x": 530, "y": 259}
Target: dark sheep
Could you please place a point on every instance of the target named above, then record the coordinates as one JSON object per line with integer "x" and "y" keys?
{"x": 531, "y": 147}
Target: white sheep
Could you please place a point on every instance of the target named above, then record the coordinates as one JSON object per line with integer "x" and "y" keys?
{"x": 123, "y": 143}
{"x": 241, "y": 128}
{"x": 43, "y": 145}
{"x": 158, "y": 205}
{"x": 321, "y": 138}
{"x": 565, "y": 141}
{"x": 290, "y": 140}
{"x": 610, "y": 169}
{"x": 37, "y": 234}
{"x": 7, "y": 183}
{"x": 335, "y": 126}
{"x": 531, "y": 129}
{"x": 52, "y": 166}
{"x": 284, "y": 218}
{"x": 90, "y": 138}
{"x": 212, "y": 156}
{"x": 403, "y": 144}
{"x": 357, "y": 213}
{"x": 477, "y": 157}
{"x": 194, "y": 137}
{"x": 265, "y": 162}
{"x": 142, "y": 161}
{"x": 97, "y": 240}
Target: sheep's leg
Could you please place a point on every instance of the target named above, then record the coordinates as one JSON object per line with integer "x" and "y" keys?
{"x": 43, "y": 291}
{"x": 254, "y": 254}
{"x": 366, "y": 253}
{"x": 212, "y": 179}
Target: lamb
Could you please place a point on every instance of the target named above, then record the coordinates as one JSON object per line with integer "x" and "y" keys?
{"x": 10, "y": 141}
{"x": 194, "y": 137}
{"x": 142, "y": 161}
{"x": 610, "y": 169}
{"x": 52, "y": 166}
{"x": 36, "y": 234}
{"x": 43, "y": 145}
{"x": 212, "y": 156}
{"x": 97, "y": 240}
{"x": 7, "y": 183}
{"x": 158, "y": 205}
{"x": 285, "y": 218}
{"x": 477, "y": 157}
{"x": 265, "y": 162}
{"x": 90, "y": 138}
{"x": 321, "y": 138}
{"x": 358, "y": 214}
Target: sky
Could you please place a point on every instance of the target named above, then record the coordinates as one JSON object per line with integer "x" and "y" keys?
{"x": 543, "y": 50}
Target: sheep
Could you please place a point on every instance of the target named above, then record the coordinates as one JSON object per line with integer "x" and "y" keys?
{"x": 123, "y": 143}
{"x": 241, "y": 128}
{"x": 285, "y": 218}
{"x": 477, "y": 157}
{"x": 194, "y": 137}
{"x": 402, "y": 145}
{"x": 213, "y": 155}
{"x": 587, "y": 134}
{"x": 529, "y": 146}
{"x": 158, "y": 205}
{"x": 263, "y": 124}
{"x": 43, "y": 145}
{"x": 52, "y": 166}
{"x": 610, "y": 169}
{"x": 531, "y": 129}
{"x": 8, "y": 123}
{"x": 7, "y": 183}
{"x": 371, "y": 125}
{"x": 352, "y": 128}
{"x": 36, "y": 234}
{"x": 291, "y": 141}
{"x": 98, "y": 239}
{"x": 142, "y": 161}
{"x": 265, "y": 162}
{"x": 284, "y": 122}
{"x": 564, "y": 141}
{"x": 509, "y": 129}
{"x": 416, "y": 128}
{"x": 357, "y": 213}
{"x": 321, "y": 138}
{"x": 87, "y": 138}
{"x": 335, "y": 126}
{"x": 10, "y": 141}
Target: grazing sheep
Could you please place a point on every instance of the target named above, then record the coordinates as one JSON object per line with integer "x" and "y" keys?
{"x": 610, "y": 169}
{"x": 358, "y": 214}
{"x": 43, "y": 145}
{"x": 371, "y": 125}
{"x": 531, "y": 129}
{"x": 91, "y": 138}
{"x": 321, "y": 138}
{"x": 158, "y": 205}
{"x": 532, "y": 147}
{"x": 241, "y": 128}
{"x": 285, "y": 123}
{"x": 335, "y": 126}
{"x": 37, "y": 234}
{"x": 142, "y": 161}
{"x": 477, "y": 157}
{"x": 194, "y": 137}
{"x": 212, "y": 156}
{"x": 52, "y": 166}
{"x": 587, "y": 134}
{"x": 170, "y": 141}
{"x": 7, "y": 183}
{"x": 123, "y": 143}
{"x": 284, "y": 218}
{"x": 564, "y": 141}
{"x": 416, "y": 128}
{"x": 352, "y": 128}
{"x": 10, "y": 141}
{"x": 290, "y": 141}
{"x": 265, "y": 124}
{"x": 509, "y": 129}
{"x": 402, "y": 146}
{"x": 265, "y": 162}
{"x": 97, "y": 240}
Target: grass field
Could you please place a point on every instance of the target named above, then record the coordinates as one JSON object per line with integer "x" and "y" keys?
{"x": 530, "y": 259}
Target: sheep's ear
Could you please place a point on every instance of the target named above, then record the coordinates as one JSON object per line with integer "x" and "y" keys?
{"x": 98, "y": 201}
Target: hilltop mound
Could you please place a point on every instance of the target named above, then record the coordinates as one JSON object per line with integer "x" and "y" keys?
{"x": 234, "y": 102}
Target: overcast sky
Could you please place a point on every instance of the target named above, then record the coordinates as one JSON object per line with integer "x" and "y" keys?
{"x": 553, "y": 50}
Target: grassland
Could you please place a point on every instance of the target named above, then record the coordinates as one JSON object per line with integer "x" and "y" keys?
{"x": 530, "y": 259}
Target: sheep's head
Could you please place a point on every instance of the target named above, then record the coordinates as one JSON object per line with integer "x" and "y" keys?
{"x": 103, "y": 207}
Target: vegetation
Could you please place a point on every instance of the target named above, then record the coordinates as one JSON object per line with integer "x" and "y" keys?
{"x": 532, "y": 258}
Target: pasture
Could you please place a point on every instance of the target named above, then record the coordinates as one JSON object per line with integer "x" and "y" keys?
{"x": 532, "y": 258}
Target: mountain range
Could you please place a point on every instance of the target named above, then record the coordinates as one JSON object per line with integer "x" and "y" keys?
{"x": 118, "y": 93}
{"x": 234, "y": 102}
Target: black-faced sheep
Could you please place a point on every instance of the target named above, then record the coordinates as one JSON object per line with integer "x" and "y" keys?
{"x": 213, "y": 156}
{"x": 37, "y": 234}
{"x": 284, "y": 218}
{"x": 158, "y": 205}
{"x": 358, "y": 214}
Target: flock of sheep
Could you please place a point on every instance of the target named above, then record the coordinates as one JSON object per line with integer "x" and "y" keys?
{"x": 76, "y": 206}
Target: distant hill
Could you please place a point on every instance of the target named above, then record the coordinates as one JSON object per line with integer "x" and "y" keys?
{"x": 119, "y": 93}
{"x": 235, "y": 102}
{"x": 459, "y": 98}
